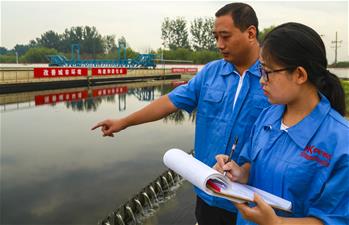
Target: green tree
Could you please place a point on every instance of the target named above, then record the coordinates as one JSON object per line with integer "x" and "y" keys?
{"x": 264, "y": 33}
{"x": 166, "y": 32}
{"x": 74, "y": 34}
{"x": 122, "y": 42}
{"x": 71, "y": 36}
{"x": 180, "y": 34}
{"x": 174, "y": 33}
{"x": 3, "y": 51}
{"x": 92, "y": 41}
{"x": 50, "y": 39}
{"x": 109, "y": 43}
{"x": 130, "y": 54}
{"x": 21, "y": 49}
{"x": 205, "y": 56}
{"x": 38, "y": 55}
{"x": 201, "y": 32}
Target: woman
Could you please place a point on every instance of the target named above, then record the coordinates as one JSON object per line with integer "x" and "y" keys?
{"x": 299, "y": 147}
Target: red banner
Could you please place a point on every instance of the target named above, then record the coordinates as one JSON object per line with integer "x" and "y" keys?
{"x": 176, "y": 83}
{"x": 108, "y": 71}
{"x": 109, "y": 91}
{"x": 178, "y": 70}
{"x": 60, "y": 97}
{"x": 191, "y": 70}
{"x": 59, "y": 72}
{"x": 184, "y": 70}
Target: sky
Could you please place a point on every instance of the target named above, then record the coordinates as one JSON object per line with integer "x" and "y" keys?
{"x": 140, "y": 21}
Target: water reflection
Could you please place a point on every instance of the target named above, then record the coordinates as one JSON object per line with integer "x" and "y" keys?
{"x": 54, "y": 170}
{"x": 143, "y": 94}
{"x": 89, "y": 99}
{"x": 177, "y": 116}
{"x": 90, "y": 104}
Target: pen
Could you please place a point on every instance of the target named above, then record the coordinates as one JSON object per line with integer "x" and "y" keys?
{"x": 232, "y": 152}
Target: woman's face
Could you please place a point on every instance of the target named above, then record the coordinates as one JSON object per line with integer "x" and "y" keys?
{"x": 278, "y": 84}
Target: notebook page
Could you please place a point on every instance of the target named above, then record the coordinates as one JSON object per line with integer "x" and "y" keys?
{"x": 189, "y": 168}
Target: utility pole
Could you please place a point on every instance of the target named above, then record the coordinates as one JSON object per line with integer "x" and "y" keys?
{"x": 336, "y": 46}
{"x": 16, "y": 57}
{"x": 162, "y": 59}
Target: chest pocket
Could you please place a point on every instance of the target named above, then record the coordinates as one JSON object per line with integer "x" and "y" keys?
{"x": 212, "y": 95}
{"x": 212, "y": 104}
{"x": 298, "y": 183}
{"x": 252, "y": 108}
{"x": 257, "y": 104}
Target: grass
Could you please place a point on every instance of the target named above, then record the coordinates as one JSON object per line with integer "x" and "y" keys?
{"x": 345, "y": 85}
{"x": 339, "y": 65}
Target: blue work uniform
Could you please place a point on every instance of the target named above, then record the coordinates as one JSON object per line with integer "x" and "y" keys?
{"x": 212, "y": 92}
{"x": 307, "y": 164}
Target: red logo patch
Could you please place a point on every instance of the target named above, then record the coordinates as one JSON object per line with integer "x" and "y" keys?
{"x": 316, "y": 154}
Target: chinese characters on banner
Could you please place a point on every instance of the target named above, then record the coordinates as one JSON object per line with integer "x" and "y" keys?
{"x": 60, "y": 97}
{"x": 191, "y": 70}
{"x": 109, "y": 91}
{"x": 78, "y": 95}
{"x": 75, "y": 72}
{"x": 184, "y": 70}
{"x": 59, "y": 72}
{"x": 108, "y": 71}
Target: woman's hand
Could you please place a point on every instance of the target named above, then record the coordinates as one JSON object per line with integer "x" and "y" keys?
{"x": 233, "y": 171}
{"x": 262, "y": 213}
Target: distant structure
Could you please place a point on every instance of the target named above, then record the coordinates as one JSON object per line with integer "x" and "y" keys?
{"x": 336, "y": 46}
{"x": 145, "y": 61}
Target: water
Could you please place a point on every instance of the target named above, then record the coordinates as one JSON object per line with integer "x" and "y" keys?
{"x": 54, "y": 170}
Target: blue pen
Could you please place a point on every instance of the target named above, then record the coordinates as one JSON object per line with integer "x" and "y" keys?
{"x": 232, "y": 152}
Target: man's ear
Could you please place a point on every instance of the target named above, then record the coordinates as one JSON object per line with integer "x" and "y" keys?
{"x": 301, "y": 75}
{"x": 251, "y": 32}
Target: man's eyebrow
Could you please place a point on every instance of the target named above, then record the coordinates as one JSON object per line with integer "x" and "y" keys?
{"x": 220, "y": 32}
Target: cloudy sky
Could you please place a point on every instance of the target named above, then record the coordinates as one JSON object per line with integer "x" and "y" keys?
{"x": 140, "y": 21}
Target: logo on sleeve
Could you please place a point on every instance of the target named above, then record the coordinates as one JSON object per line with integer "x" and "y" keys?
{"x": 316, "y": 154}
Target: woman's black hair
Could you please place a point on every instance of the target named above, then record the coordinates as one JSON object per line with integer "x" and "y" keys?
{"x": 293, "y": 45}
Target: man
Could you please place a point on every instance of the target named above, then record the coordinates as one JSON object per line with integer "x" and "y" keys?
{"x": 228, "y": 99}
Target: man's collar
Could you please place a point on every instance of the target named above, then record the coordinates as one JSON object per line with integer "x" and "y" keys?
{"x": 229, "y": 68}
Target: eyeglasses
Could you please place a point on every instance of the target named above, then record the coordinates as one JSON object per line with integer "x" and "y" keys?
{"x": 265, "y": 73}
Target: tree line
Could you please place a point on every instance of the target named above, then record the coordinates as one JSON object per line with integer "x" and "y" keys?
{"x": 180, "y": 40}
{"x": 90, "y": 40}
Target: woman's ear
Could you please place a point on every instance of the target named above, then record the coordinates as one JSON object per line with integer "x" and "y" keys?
{"x": 301, "y": 75}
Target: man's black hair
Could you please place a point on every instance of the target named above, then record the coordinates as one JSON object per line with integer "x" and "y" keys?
{"x": 242, "y": 14}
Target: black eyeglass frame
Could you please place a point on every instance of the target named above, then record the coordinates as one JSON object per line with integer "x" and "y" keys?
{"x": 265, "y": 73}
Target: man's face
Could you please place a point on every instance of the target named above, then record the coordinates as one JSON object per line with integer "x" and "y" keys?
{"x": 231, "y": 42}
